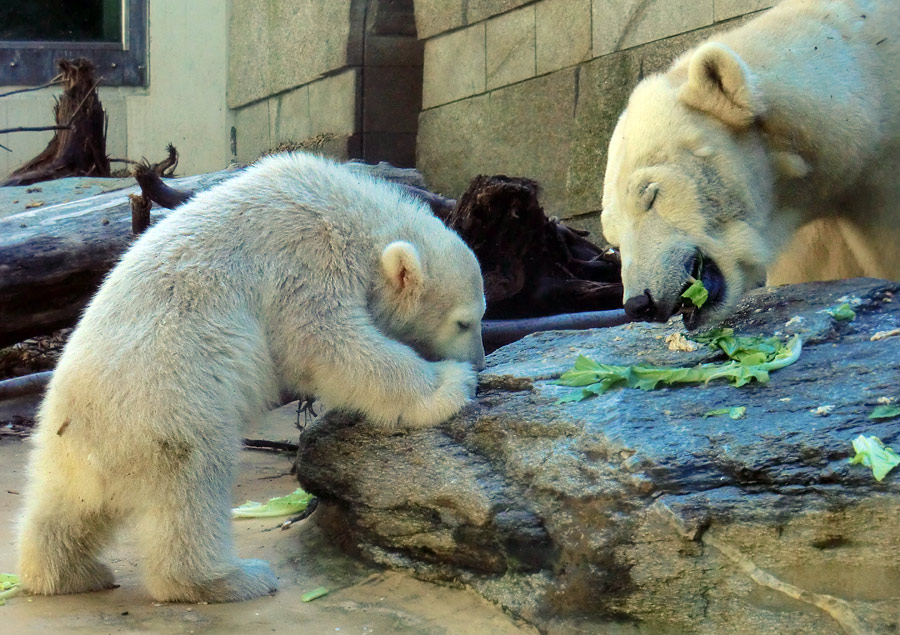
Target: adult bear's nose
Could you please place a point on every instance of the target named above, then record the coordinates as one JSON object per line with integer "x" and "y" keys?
{"x": 641, "y": 307}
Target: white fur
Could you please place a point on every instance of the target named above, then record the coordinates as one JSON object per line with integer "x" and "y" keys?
{"x": 278, "y": 280}
{"x": 765, "y": 142}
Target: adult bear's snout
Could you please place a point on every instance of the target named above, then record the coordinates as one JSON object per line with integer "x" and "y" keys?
{"x": 643, "y": 308}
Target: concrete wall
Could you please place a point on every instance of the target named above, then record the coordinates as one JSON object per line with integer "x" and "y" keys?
{"x": 342, "y": 76}
{"x": 231, "y": 79}
{"x": 535, "y": 88}
{"x": 183, "y": 104}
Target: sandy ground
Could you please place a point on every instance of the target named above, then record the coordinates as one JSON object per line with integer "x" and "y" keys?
{"x": 363, "y": 600}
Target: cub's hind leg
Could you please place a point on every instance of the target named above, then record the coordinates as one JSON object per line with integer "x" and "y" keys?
{"x": 64, "y": 529}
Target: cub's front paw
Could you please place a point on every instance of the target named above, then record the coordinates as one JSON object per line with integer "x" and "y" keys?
{"x": 457, "y": 379}
{"x": 455, "y": 384}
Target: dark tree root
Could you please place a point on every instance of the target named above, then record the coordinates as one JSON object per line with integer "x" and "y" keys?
{"x": 532, "y": 265}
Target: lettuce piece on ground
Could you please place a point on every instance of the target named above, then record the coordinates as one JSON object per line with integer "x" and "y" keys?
{"x": 696, "y": 293}
{"x": 315, "y": 594}
{"x": 752, "y": 358}
{"x": 10, "y": 586}
{"x": 886, "y": 411}
{"x": 871, "y": 452}
{"x": 280, "y": 506}
{"x": 842, "y": 312}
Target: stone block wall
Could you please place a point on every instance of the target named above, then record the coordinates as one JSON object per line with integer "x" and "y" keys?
{"x": 342, "y": 77}
{"x": 534, "y": 88}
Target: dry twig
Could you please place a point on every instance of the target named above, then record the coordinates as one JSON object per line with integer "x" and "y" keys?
{"x": 53, "y": 82}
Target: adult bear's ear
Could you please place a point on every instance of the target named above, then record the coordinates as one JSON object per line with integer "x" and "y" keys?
{"x": 402, "y": 268}
{"x": 719, "y": 83}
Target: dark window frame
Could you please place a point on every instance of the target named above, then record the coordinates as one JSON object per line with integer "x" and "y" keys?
{"x": 118, "y": 63}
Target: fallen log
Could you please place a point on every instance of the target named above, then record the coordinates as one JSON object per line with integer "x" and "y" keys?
{"x": 497, "y": 333}
{"x": 155, "y": 189}
{"x": 533, "y": 265}
{"x": 53, "y": 258}
{"x": 25, "y": 385}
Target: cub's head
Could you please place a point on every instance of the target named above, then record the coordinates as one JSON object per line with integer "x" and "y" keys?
{"x": 433, "y": 297}
{"x": 688, "y": 190}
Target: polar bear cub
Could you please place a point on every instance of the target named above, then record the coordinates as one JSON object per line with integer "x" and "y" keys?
{"x": 769, "y": 153}
{"x": 300, "y": 276}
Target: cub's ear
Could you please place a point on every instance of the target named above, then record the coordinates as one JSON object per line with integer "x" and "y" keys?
{"x": 401, "y": 267}
{"x": 719, "y": 83}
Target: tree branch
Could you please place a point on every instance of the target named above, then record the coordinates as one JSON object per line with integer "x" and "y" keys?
{"x": 53, "y": 82}
{"x": 34, "y": 129}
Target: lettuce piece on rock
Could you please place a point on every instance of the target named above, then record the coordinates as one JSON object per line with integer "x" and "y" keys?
{"x": 751, "y": 358}
{"x": 872, "y": 453}
{"x": 10, "y": 586}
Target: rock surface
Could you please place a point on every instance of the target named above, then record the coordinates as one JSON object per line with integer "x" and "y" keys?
{"x": 633, "y": 512}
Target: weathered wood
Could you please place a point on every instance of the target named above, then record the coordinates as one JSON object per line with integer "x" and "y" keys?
{"x": 79, "y": 146}
{"x": 532, "y": 265}
{"x": 140, "y": 213}
{"x": 154, "y": 189}
{"x": 25, "y": 385}
{"x": 53, "y": 258}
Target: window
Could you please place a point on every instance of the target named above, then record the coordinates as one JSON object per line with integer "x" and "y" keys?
{"x": 34, "y": 34}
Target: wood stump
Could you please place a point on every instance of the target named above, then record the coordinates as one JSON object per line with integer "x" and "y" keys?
{"x": 80, "y": 148}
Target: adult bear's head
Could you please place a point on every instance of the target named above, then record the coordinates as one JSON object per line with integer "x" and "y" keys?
{"x": 689, "y": 188}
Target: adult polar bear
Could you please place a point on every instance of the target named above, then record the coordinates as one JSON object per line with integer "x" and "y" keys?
{"x": 299, "y": 275}
{"x": 778, "y": 138}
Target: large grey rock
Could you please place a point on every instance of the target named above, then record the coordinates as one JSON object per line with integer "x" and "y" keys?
{"x": 632, "y": 512}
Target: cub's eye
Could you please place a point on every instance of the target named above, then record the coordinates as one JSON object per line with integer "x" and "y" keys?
{"x": 648, "y": 195}
{"x": 463, "y": 326}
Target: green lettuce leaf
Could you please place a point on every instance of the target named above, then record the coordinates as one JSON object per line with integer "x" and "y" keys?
{"x": 885, "y": 412}
{"x": 696, "y": 293}
{"x": 752, "y": 358}
{"x": 735, "y": 412}
{"x": 281, "y": 506}
{"x": 842, "y": 312}
{"x": 10, "y": 586}
{"x": 315, "y": 594}
{"x": 871, "y": 452}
